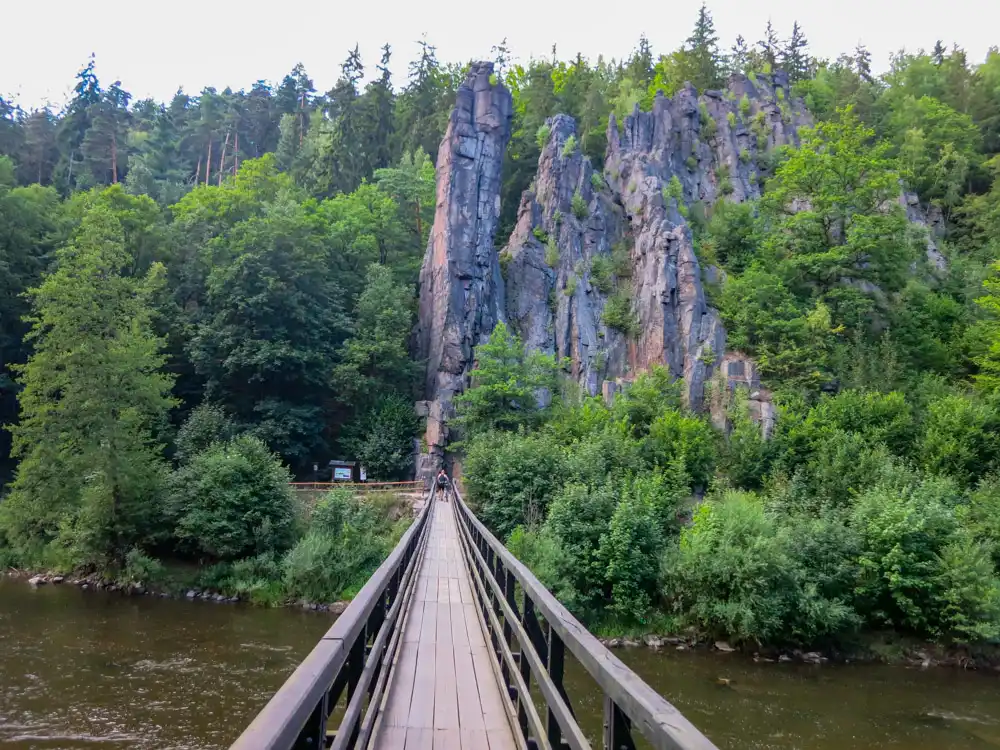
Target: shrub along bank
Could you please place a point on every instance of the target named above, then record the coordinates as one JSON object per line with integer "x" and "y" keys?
{"x": 867, "y": 511}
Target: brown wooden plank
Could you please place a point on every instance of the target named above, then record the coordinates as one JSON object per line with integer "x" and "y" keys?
{"x": 444, "y": 634}
{"x": 422, "y": 705}
{"x": 445, "y": 687}
{"x": 470, "y": 710}
{"x": 414, "y": 620}
{"x": 428, "y": 626}
{"x": 494, "y": 714}
{"x": 419, "y": 739}
{"x": 475, "y": 739}
{"x": 502, "y": 740}
{"x": 391, "y": 738}
{"x": 397, "y": 710}
{"x": 459, "y": 631}
{"x": 447, "y": 739}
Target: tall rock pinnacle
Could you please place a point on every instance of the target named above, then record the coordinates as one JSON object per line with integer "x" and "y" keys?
{"x": 461, "y": 289}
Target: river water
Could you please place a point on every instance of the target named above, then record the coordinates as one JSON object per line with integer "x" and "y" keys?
{"x": 92, "y": 670}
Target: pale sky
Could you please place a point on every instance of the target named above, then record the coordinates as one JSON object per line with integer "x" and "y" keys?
{"x": 156, "y": 48}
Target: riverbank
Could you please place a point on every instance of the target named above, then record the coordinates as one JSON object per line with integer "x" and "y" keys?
{"x": 870, "y": 648}
{"x": 176, "y": 586}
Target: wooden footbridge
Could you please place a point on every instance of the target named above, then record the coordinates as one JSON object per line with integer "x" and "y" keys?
{"x": 441, "y": 650}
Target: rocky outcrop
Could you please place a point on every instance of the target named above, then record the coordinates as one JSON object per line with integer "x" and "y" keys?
{"x": 669, "y": 163}
{"x": 600, "y": 269}
{"x": 461, "y": 289}
{"x": 560, "y": 264}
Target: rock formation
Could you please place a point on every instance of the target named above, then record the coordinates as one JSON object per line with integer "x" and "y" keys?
{"x": 461, "y": 289}
{"x": 582, "y": 239}
{"x": 600, "y": 268}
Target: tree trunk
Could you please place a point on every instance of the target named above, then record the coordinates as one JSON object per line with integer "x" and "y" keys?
{"x": 197, "y": 171}
{"x": 302, "y": 114}
{"x": 420, "y": 230}
{"x": 208, "y": 162}
{"x": 222, "y": 158}
{"x": 114, "y": 159}
{"x": 236, "y": 154}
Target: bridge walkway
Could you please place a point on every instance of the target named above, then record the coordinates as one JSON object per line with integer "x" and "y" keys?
{"x": 443, "y": 689}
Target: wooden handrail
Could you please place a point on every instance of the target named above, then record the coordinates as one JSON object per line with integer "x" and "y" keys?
{"x": 629, "y": 703}
{"x": 354, "y": 655}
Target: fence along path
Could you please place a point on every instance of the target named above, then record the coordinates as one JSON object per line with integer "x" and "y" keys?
{"x": 441, "y": 649}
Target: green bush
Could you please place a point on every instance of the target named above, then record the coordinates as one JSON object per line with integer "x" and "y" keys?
{"x": 577, "y": 519}
{"x": 919, "y": 570}
{"x": 509, "y": 478}
{"x": 708, "y": 124}
{"x": 540, "y": 234}
{"x": 621, "y": 260}
{"x": 596, "y": 181}
{"x": 579, "y": 206}
{"x": 569, "y": 147}
{"x": 542, "y": 136}
{"x": 232, "y": 500}
{"x": 255, "y": 579}
{"x": 961, "y": 438}
{"x": 630, "y": 551}
{"x": 551, "y": 253}
{"x": 691, "y": 163}
{"x": 140, "y": 568}
{"x": 602, "y": 273}
{"x": 745, "y": 106}
{"x": 744, "y": 156}
{"x": 570, "y": 289}
{"x": 674, "y": 435}
{"x": 207, "y": 424}
{"x": 731, "y": 119}
{"x": 981, "y": 516}
{"x": 618, "y": 314}
{"x": 734, "y": 575}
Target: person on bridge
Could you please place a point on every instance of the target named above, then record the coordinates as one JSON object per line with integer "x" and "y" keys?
{"x": 442, "y": 483}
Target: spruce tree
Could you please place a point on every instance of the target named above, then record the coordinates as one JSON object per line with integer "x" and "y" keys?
{"x": 770, "y": 47}
{"x": 94, "y": 398}
{"x": 703, "y": 62}
{"x": 794, "y": 58}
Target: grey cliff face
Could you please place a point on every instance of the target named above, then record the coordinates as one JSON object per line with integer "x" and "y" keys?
{"x": 713, "y": 147}
{"x": 461, "y": 289}
{"x": 600, "y": 268}
{"x": 558, "y": 261}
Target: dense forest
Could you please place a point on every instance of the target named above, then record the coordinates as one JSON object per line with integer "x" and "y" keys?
{"x": 204, "y": 297}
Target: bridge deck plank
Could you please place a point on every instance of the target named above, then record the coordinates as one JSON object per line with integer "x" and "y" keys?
{"x": 443, "y": 692}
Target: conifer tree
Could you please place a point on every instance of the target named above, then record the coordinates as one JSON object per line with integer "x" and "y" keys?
{"x": 794, "y": 58}
{"x": 703, "y": 63}
{"x": 770, "y": 46}
{"x": 94, "y": 397}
